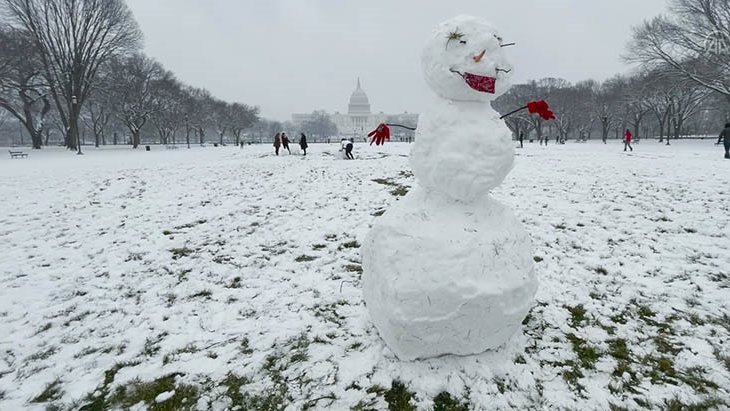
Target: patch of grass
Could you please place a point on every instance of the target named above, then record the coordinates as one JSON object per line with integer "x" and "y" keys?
{"x": 191, "y": 225}
{"x": 399, "y": 398}
{"x": 276, "y": 396}
{"x": 665, "y": 346}
{"x": 587, "y": 355}
{"x": 304, "y": 258}
{"x": 560, "y": 226}
{"x": 167, "y": 232}
{"x": 43, "y": 355}
{"x": 572, "y": 376}
{"x": 350, "y": 244}
{"x": 661, "y": 370}
{"x": 596, "y": 295}
{"x": 202, "y": 294}
{"x": 328, "y": 313}
{"x": 178, "y": 253}
{"x": 695, "y": 378}
{"x": 385, "y": 182}
{"x": 378, "y": 213}
{"x": 577, "y": 315}
{"x": 188, "y": 349}
{"x": 151, "y": 345}
{"x": 44, "y": 328}
{"x": 52, "y": 392}
{"x": 601, "y": 270}
{"x": 233, "y": 384}
{"x": 353, "y": 268}
{"x": 318, "y": 247}
{"x": 538, "y": 259}
{"x": 235, "y": 283}
{"x": 401, "y": 191}
{"x": 75, "y": 318}
{"x": 620, "y": 318}
{"x": 675, "y": 404}
{"x": 244, "y": 347}
{"x": 185, "y": 397}
{"x": 134, "y": 257}
{"x": 300, "y": 349}
{"x": 85, "y": 352}
{"x": 170, "y": 299}
{"x": 445, "y": 402}
{"x": 645, "y": 312}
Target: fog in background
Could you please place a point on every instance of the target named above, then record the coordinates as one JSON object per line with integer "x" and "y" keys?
{"x": 291, "y": 56}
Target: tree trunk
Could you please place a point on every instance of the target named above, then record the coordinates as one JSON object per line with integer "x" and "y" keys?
{"x": 135, "y": 138}
{"x": 604, "y": 130}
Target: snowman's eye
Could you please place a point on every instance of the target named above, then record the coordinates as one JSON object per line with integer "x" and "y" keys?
{"x": 463, "y": 42}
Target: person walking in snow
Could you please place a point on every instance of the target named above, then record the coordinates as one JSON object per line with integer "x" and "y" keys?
{"x": 725, "y": 135}
{"x": 522, "y": 139}
{"x": 285, "y": 142}
{"x": 303, "y": 143}
{"x": 627, "y": 140}
{"x": 277, "y": 142}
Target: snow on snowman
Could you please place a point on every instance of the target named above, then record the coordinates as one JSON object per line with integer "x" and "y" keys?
{"x": 448, "y": 269}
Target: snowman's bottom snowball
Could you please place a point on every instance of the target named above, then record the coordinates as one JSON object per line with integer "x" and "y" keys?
{"x": 443, "y": 277}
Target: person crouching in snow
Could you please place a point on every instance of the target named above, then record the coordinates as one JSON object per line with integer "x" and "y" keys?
{"x": 303, "y": 143}
{"x": 285, "y": 142}
{"x": 725, "y": 135}
{"x": 348, "y": 145}
{"x": 277, "y": 142}
{"x": 627, "y": 140}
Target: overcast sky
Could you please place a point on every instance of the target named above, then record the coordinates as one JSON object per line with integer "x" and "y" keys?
{"x": 292, "y": 56}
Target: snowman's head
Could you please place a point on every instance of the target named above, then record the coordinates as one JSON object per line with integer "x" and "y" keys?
{"x": 465, "y": 61}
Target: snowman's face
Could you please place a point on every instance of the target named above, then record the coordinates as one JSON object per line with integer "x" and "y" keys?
{"x": 465, "y": 61}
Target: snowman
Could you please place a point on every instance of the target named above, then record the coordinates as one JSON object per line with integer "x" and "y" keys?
{"x": 449, "y": 269}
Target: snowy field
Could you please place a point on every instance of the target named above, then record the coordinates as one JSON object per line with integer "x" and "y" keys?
{"x": 227, "y": 278}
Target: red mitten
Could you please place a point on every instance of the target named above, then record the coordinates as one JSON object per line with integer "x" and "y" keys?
{"x": 380, "y": 135}
{"x": 541, "y": 107}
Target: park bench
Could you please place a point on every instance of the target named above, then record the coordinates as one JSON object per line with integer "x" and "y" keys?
{"x": 17, "y": 154}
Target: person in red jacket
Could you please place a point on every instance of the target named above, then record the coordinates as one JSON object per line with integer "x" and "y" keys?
{"x": 627, "y": 140}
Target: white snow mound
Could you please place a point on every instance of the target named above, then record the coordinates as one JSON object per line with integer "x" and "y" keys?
{"x": 443, "y": 277}
{"x": 462, "y": 150}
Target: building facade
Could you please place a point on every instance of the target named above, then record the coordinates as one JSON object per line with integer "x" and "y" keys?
{"x": 360, "y": 120}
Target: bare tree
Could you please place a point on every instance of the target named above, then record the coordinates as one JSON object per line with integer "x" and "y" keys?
{"x": 133, "y": 88}
{"x": 23, "y": 91}
{"x": 198, "y": 112}
{"x": 99, "y": 112}
{"x": 319, "y": 125}
{"x": 222, "y": 118}
{"x": 242, "y": 117}
{"x": 694, "y": 40}
{"x": 169, "y": 114}
{"x": 73, "y": 38}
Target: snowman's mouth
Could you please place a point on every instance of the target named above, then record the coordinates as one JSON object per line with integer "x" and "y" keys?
{"x": 484, "y": 84}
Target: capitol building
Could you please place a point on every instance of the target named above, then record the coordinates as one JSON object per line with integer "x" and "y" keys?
{"x": 360, "y": 120}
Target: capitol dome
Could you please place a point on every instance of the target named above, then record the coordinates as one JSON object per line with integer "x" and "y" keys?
{"x": 359, "y": 102}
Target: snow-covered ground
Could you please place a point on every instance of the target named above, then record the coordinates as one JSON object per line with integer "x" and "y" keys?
{"x": 225, "y": 277}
